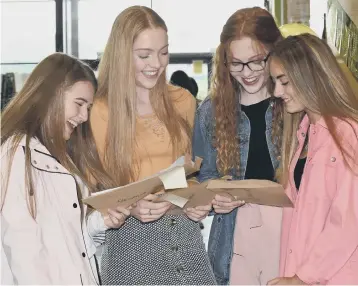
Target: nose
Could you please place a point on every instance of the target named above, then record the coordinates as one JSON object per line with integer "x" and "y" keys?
{"x": 246, "y": 72}
{"x": 155, "y": 63}
{"x": 278, "y": 91}
{"x": 84, "y": 114}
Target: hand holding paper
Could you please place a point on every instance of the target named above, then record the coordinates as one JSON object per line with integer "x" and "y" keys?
{"x": 198, "y": 213}
{"x": 262, "y": 192}
{"x": 224, "y": 203}
{"x": 116, "y": 217}
{"x": 171, "y": 178}
{"x": 146, "y": 210}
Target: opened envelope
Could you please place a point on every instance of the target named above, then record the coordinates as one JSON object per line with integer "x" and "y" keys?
{"x": 171, "y": 178}
{"x": 261, "y": 192}
{"x": 194, "y": 195}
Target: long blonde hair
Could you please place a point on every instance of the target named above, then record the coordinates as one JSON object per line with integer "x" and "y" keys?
{"x": 37, "y": 111}
{"x": 117, "y": 88}
{"x": 257, "y": 24}
{"x": 320, "y": 85}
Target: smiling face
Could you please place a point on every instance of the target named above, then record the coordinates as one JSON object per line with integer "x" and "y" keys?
{"x": 255, "y": 72}
{"x": 78, "y": 100}
{"x": 151, "y": 57}
{"x": 284, "y": 89}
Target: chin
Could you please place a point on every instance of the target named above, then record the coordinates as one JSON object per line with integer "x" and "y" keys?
{"x": 67, "y": 135}
{"x": 147, "y": 84}
{"x": 293, "y": 110}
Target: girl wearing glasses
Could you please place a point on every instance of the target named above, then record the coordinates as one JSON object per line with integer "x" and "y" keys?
{"x": 233, "y": 134}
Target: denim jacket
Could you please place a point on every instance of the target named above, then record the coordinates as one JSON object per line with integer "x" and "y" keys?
{"x": 222, "y": 230}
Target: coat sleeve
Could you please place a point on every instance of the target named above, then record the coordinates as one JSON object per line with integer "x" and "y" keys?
{"x": 96, "y": 229}
{"x": 21, "y": 237}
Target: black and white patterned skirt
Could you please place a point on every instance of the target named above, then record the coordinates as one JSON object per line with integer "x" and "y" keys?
{"x": 169, "y": 251}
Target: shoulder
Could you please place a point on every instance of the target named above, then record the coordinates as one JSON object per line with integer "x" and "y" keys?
{"x": 184, "y": 102}
{"x": 99, "y": 110}
{"x": 348, "y": 128}
{"x": 205, "y": 109}
{"x": 13, "y": 146}
{"x": 16, "y": 148}
{"x": 98, "y": 118}
{"x": 181, "y": 97}
{"x": 346, "y": 131}
{"x": 12, "y": 158}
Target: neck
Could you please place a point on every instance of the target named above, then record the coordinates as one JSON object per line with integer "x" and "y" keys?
{"x": 249, "y": 99}
{"x": 313, "y": 117}
{"x": 142, "y": 95}
{"x": 144, "y": 106}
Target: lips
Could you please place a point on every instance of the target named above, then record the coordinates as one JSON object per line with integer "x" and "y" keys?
{"x": 72, "y": 123}
{"x": 250, "y": 81}
{"x": 150, "y": 74}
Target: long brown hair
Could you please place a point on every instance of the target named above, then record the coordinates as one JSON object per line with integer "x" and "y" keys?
{"x": 117, "y": 88}
{"x": 257, "y": 24}
{"x": 37, "y": 111}
{"x": 321, "y": 86}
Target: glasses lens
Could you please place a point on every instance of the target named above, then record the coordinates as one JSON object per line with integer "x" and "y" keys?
{"x": 257, "y": 65}
{"x": 235, "y": 67}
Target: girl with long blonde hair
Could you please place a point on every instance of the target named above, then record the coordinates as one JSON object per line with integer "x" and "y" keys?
{"x": 141, "y": 125}
{"x": 319, "y": 166}
{"x": 48, "y": 163}
{"x": 234, "y": 135}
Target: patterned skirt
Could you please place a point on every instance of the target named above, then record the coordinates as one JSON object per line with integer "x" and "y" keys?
{"x": 169, "y": 251}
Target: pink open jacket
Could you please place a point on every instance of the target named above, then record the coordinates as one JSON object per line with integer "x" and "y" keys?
{"x": 319, "y": 240}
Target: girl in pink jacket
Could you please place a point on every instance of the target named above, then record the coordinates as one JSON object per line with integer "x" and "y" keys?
{"x": 48, "y": 163}
{"x": 319, "y": 167}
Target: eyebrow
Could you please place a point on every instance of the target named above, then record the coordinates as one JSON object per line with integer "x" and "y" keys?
{"x": 280, "y": 76}
{"x": 151, "y": 50}
{"x": 83, "y": 99}
{"x": 251, "y": 58}
{"x": 257, "y": 56}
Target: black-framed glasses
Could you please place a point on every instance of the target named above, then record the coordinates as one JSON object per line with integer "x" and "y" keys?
{"x": 255, "y": 65}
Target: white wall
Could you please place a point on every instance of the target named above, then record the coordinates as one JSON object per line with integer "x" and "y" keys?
{"x": 317, "y": 9}
{"x": 28, "y": 27}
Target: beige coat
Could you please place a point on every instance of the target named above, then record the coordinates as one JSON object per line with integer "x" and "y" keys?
{"x": 55, "y": 248}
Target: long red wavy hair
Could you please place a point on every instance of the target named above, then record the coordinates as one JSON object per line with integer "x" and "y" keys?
{"x": 259, "y": 25}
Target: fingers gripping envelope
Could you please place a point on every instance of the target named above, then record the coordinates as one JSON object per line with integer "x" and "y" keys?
{"x": 171, "y": 178}
{"x": 261, "y": 192}
{"x": 184, "y": 192}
